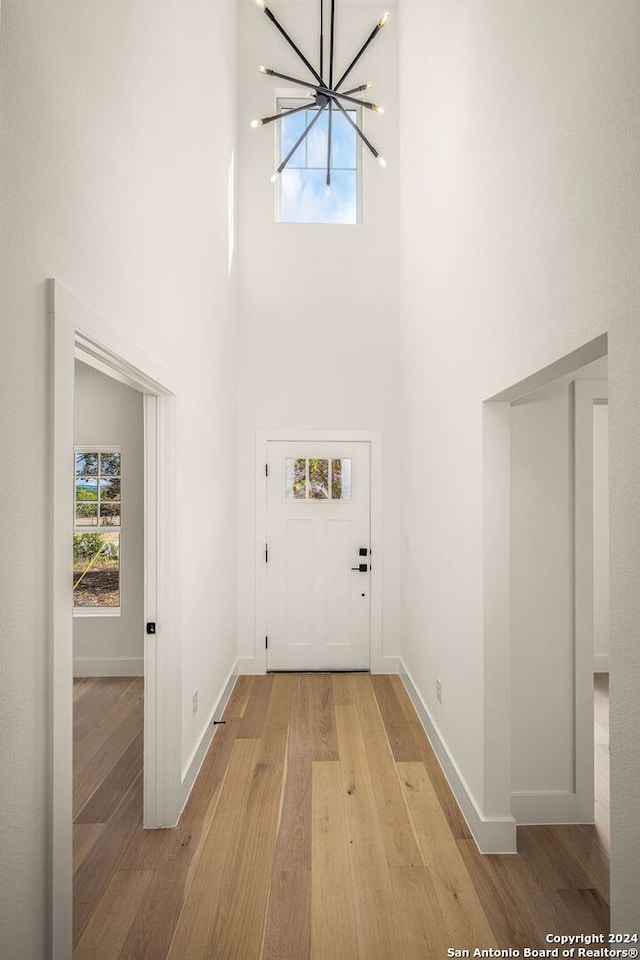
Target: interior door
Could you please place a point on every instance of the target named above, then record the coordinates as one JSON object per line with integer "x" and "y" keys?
{"x": 318, "y": 556}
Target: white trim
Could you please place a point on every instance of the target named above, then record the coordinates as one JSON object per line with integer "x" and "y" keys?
{"x": 251, "y": 666}
{"x": 555, "y": 806}
{"x": 108, "y": 667}
{"x": 258, "y": 664}
{"x": 491, "y": 834}
{"x": 601, "y": 663}
{"x": 586, "y": 392}
{"x": 79, "y": 333}
{"x": 593, "y": 350}
{"x": 496, "y": 563}
{"x": 496, "y": 675}
{"x": 391, "y": 664}
{"x": 195, "y": 761}
{"x": 97, "y": 612}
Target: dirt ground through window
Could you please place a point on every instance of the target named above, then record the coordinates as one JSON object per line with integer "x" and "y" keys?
{"x": 98, "y": 588}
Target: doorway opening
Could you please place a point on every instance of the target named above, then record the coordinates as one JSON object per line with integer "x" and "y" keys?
{"x": 108, "y": 619}
{"x": 79, "y": 334}
{"x": 553, "y": 578}
{"x": 539, "y": 652}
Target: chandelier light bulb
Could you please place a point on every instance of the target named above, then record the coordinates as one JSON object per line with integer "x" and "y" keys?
{"x": 274, "y": 177}
{"x": 261, "y": 3}
{"x": 382, "y": 161}
{"x": 378, "y": 108}
{"x": 381, "y": 22}
{"x": 368, "y": 85}
{"x": 262, "y": 69}
{"x": 256, "y": 123}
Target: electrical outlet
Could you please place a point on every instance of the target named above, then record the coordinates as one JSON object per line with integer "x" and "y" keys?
{"x": 195, "y": 702}
{"x": 438, "y": 689}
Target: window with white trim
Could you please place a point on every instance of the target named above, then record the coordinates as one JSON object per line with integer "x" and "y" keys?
{"x": 303, "y": 193}
{"x": 96, "y": 531}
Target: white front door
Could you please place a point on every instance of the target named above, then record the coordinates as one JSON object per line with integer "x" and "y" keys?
{"x": 318, "y": 555}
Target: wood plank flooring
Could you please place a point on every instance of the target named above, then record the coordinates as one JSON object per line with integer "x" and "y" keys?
{"x": 320, "y": 827}
{"x": 601, "y": 756}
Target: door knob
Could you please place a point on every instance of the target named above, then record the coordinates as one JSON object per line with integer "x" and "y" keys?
{"x": 361, "y": 568}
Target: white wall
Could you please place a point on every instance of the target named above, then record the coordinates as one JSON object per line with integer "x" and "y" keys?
{"x": 108, "y": 413}
{"x": 116, "y": 136}
{"x": 318, "y": 303}
{"x": 520, "y": 214}
{"x": 601, "y": 644}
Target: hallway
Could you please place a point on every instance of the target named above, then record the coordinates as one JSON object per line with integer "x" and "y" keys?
{"x": 320, "y": 826}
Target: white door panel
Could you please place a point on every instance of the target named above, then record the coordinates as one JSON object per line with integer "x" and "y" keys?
{"x": 318, "y": 519}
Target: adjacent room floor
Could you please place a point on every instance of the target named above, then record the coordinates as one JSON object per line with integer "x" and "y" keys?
{"x": 601, "y": 756}
{"x": 320, "y": 826}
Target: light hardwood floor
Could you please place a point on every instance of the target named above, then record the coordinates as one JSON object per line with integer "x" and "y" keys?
{"x": 601, "y": 756}
{"x": 320, "y": 828}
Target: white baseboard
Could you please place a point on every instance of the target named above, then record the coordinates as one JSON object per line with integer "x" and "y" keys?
{"x": 601, "y": 663}
{"x": 108, "y": 667}
{"x": 192, "y": 767}
{"x": 537, "y": 808}
{"x": 491, "y": 834}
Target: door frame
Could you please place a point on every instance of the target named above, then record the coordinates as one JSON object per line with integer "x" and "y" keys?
{"x": 78, "y": 333}
{"x": 586, "y": 394}
{"x": 497, "y": 798}
{"x": 374, "y": 439}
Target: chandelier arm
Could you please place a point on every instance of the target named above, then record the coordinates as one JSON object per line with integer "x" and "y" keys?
{"x": 363, "y": 86}
{"x": 331, "y": 55}
{"x": 374, "y": 33}
{"x": 329, "y": 118}
{"x": 300, "y": 139}
{"x": 321, "y": 38}
{"x": 358, "y": 130}
{"x": 285, "y": 113}
{"x": 294, "y": 46}
{"x": 283, "y": 76}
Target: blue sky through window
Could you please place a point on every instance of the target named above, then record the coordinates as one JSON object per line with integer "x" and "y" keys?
{"x": 304, "y": 195}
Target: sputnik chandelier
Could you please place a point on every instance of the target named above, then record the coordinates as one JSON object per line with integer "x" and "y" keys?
{"x": 324, "y": 93}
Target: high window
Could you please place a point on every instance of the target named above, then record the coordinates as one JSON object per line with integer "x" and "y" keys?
{"x": 303, "y": 193}
{"x": 96, "y": 531}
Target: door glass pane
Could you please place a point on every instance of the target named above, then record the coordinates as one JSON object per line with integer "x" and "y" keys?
{"x": 341, "y": 479}
{"x": 86, "y": 464}
{"x": 86, "y": 514}
{"x": 109, "y": 514}
{"x": 110, "y": 489}
{"x": 110, "y": 464}
{"x": 86, "y": 488}
{"x": 96, "y": 569}
{"x": 296, "y": 479}
{"x": 318, "y": 479}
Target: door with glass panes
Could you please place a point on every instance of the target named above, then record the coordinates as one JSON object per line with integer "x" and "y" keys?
{"x": 318, "y": 556}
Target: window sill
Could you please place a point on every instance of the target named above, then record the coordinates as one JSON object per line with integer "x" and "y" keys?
{"x": 96, "y": 611}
